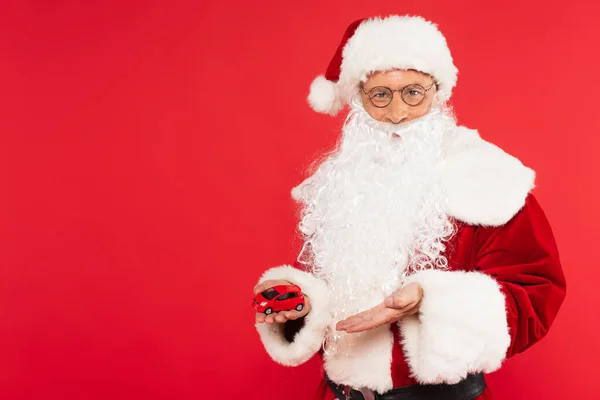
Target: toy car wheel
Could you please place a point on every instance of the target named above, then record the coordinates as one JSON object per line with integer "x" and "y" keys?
{"x": 268, "y": 311}
{"x": 299, "y": 307}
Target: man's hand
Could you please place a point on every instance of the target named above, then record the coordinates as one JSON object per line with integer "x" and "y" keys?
{"x": 405, "y": 301}
{"x": 282, "y": 316}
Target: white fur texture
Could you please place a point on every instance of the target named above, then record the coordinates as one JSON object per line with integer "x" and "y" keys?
{"x": 461, "y": 328}
{"x": 484, "y": 185}
{"x": 381, "y": 44}
{"x": 310, "y": 338}
{"x": 367, "y": 363}
{"x": 323, "y": 96}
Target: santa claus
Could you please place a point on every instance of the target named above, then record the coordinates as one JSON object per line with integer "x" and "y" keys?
{"x": 426, "y": 260}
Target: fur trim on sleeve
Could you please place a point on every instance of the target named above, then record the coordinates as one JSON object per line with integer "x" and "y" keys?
{"x": 309, "y": 339}
{"x": 461, "y": 327}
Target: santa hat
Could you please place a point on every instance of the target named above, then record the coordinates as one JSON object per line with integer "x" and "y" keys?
{"x": 380, "y": 44}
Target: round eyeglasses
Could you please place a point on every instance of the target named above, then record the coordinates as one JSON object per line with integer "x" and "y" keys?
{"x": 381, "y": 96}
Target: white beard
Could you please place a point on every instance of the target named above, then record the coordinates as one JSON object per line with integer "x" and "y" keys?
{"x": 375, "y": 211}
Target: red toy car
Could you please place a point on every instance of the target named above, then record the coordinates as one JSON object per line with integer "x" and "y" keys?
{"x": 279, "y": 298}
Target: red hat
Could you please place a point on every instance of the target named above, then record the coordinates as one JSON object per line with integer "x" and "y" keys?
{"x": 380, "y": 44}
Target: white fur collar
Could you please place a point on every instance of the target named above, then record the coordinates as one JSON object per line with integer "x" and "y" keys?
{"x": 484, "y": 184}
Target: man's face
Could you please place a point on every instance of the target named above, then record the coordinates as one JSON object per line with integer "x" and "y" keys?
{"x": 398, "y": 110}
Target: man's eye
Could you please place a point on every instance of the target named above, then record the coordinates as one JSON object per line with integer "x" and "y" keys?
{"x": 414, "y": 93}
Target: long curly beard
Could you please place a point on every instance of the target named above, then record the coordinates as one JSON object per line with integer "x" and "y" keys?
{"x": 374, "y": 210}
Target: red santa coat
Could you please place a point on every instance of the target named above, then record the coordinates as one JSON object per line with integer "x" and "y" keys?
{"x": 500, "y": 294}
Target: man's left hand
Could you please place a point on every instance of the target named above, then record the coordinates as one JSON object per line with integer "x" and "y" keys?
{"x": 405, "y": 301}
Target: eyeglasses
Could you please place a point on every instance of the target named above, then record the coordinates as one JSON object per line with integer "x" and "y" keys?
{"x": 381, "y": 96}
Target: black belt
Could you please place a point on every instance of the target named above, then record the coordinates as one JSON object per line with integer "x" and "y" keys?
{"x": 467, "y": 389}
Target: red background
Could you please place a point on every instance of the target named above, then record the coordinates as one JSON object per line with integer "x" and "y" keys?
{"x": 147, "y": 151}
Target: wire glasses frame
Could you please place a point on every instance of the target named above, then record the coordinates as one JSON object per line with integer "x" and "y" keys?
{"x": 382, "y": 96}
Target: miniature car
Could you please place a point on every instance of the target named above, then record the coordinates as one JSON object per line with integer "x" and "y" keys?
{"x": 279, "y": 298}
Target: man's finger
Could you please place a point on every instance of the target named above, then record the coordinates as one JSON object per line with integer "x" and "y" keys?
{"x": 270, "y": 319}
{"x": 261, "y": 287}
{"x": 264, "y": 285}
{"x": 280, "y": 317}
{"x": 358, "y": 318}
{"x": 293, "y": 314}
{"x": 373, "y": 320}
{"x": 398, "y": 301}
{"x": 260, "y": 317}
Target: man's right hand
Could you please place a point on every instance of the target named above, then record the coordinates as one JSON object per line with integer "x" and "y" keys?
{"x": 282, "y": 316}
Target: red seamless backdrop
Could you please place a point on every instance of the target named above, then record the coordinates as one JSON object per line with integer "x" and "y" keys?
{"x": 147, "y": 152}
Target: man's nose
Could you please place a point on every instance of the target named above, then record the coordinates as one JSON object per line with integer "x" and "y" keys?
{"x": 397, "y": 110}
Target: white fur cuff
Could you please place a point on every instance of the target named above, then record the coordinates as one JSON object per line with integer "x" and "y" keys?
{"x": 461, "y": 327}
{"x": 309, "y": 339}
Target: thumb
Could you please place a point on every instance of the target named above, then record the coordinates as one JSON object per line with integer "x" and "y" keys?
{"x": 396, "y": 300}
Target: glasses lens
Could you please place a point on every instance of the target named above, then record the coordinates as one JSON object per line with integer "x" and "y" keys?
{"x": 413, "y": 94}
{"x": 380, "y": 96}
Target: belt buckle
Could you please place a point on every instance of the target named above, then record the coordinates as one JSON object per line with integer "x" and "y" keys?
{"x": 366, "y": 393}
{"x": 346, "y": 391}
